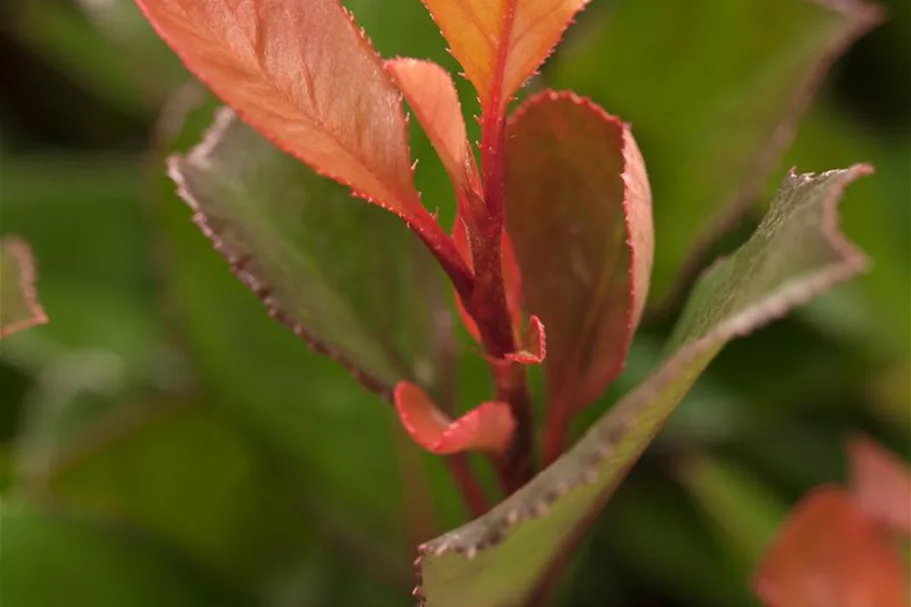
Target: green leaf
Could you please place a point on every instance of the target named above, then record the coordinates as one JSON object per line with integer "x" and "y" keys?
{"x": 795, "y": 254}
{"x": 348, "y": 277}
{"x": 302, "y": 408}
{"x": 19, "y": 305}
{"x": 57, "y": 561}
{"x": 724, "y": 108}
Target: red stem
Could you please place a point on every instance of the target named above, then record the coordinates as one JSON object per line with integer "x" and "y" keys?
{"x": 472, "y": 493}
{"x": 552, "y": 443}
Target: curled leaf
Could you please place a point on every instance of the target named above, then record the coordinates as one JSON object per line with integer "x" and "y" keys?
{"x": 429, "y": 90}
{"x": 881, "y": 483}
{"x": 532, "y": 345}
{"x": 829, "y": 555}
{"x": 578, "y": 211}
{"x": 500, "y": 43}
{"x": 485, "y": 428}
{"x": 19, "y": 305}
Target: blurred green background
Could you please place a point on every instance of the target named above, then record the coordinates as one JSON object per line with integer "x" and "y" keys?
{"x": 163, "y": 442}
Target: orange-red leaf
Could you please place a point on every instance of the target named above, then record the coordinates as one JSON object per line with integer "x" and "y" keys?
{"x": 500, "y": 43}
{"x": 434, "y": 100}
{"x": 830, "y": 555}
{"x": 485, "y": 428}
{"x": 578, "y": 211}
{"x": 302, "y": 74}
{"x": 881, "y": 483}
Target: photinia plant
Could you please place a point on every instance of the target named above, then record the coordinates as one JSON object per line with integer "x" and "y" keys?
{"x": 549, "y": 257}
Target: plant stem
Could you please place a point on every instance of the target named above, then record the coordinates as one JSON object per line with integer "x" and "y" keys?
{"x": 555, "y": 436}
{"x": 512, "y": 387}
{"x": 472, "y": 492}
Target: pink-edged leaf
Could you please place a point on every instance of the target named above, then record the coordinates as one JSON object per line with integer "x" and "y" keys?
{"x": 304, "y": 75}
{"x": 429, "y": 90}
{"x": 19, "y": 305}
{"x": 578, "y": 211}
{"x": 881, "y": 482}
{"x": 500, "y": 558}
{"x": 830, "y": 555}
{"x": 500, "y": 43}
{"x": 487, "y": 427}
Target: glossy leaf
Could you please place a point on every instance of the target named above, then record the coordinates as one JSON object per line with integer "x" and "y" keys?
{"x": 500, "y": 43}
{"x": 338, "y": 272}
{"x": 429, "y": 90}
{"x": 795, "y": 254}
{"x": 830, "y": 555}
{"x": 724, "y": 109}
{"x": 303, "y": 74}
{"x": 488, "y": 427}
{"x": 50, "y": 560}
{"x": 19, "y": 305}
{"x": 578, "y": 210}
{"x": 881, "y": 483}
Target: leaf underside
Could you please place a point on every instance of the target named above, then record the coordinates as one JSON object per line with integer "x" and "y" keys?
{"x": 19, "y": 305}
{"x": 338, "y": 272}
{"x": 795, "y": 253}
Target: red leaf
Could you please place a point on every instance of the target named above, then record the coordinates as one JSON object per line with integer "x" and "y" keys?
{"x": 303, "y": 75}
{"x": 578, "y": 210}
{"x": 485, "y": 428}
{"x": 500, "y": 43}
{"x": 881, "y": 483}
{"x": 829, "y": 555}
{"x": 433, "y": 98}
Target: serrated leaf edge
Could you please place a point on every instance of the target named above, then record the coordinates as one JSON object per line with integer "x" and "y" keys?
{"x": 240, "y": 261}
